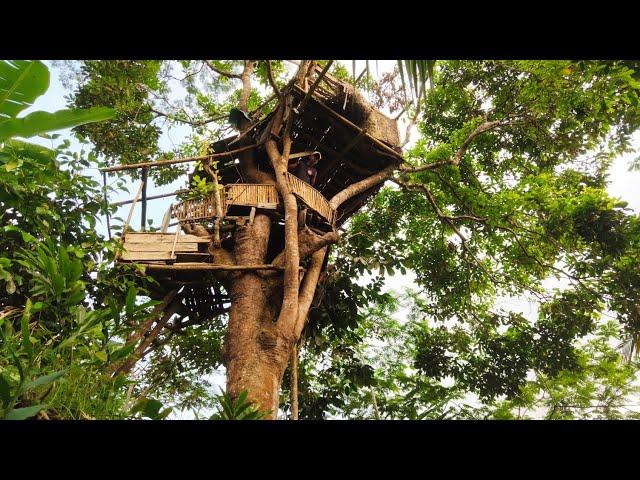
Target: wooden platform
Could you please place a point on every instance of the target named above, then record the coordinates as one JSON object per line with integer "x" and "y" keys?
{"x": 153, "y": 247}
{"x": 168, "y": 252}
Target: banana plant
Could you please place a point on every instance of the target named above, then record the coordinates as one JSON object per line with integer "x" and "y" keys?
{"x": 21, "y": 83}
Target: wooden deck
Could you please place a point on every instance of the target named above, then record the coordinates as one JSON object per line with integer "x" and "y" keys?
{"x": 153, "y": 247}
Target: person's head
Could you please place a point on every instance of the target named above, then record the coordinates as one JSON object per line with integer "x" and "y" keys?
{"x": 314, "y": 158}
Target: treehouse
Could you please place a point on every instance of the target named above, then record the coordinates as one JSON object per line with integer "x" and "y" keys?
{"x": 355, "y": 141}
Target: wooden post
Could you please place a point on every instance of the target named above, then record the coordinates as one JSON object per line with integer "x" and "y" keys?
{"x": 166, "y": 219}
{"x": 106, "y": 201}
{"x": 218, "y": 197}
{"x": 133, "y": 206}
{"x": 143, "y": 216}
{"x": 294, "y": 383}
{"x": 173, "y": 248}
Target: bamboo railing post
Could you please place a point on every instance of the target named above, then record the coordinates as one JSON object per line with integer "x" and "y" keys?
{"x": 143, "y": 216}
{"x": 106, "y": 201}
{"x": 166, "y": 219}
{"x": 133, "y": 206}
{"x": 173, "y": 248}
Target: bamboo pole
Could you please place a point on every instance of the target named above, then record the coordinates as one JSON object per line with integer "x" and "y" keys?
{"x": 166, "y": 219}
{"x": 314, "y": 86}
{"x": 143, "y": 216}
{"x": 211, "y": 266}
{"x": 175, "y": 240}
{"x": 161, "y": 163}
{"x": 106, "y": 202}
{"x": 133, "y": 206}
{"x": 294, "y": 383}
{"x": 152, "y": 197}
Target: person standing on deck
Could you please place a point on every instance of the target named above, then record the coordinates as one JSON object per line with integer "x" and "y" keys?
{"x": 304, "y": 168}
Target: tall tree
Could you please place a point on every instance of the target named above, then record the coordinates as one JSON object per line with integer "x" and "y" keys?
{"x": 504, "y": 188}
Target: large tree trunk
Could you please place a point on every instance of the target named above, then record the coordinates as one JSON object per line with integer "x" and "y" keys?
{"x": 256, "y": 350}
{"x": 269, "y": 308}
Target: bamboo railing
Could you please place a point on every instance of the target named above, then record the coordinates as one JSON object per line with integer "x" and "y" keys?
{"x": 259, "y": 195}
{"x": 311, "y": 197}
{"x": 256, "y": 195}
{"x": 196, "y": 210}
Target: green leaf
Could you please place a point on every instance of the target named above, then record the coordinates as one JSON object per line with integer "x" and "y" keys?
{"x": 24, "y": 324}
{"x": 130, "y": 301}
{"x": 23, "y": 413}
{"x": 102, "y": 356}
{"x": 44, "y": 380}
{"x": 12, "y": 164}
{"x": 122, "y": 352}
{"x": 39, "y": 122}
{"x": 21, "y": 82}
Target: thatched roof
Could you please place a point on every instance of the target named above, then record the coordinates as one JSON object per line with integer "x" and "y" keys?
{"x": 355, "y": 140}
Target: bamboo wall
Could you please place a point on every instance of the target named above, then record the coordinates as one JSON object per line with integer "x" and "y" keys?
{"x": 252, "y": 195}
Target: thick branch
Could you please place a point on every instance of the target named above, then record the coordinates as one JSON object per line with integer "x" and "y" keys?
{"x": 289, "y": 310}
{"x": 361, "y": 186}
{"x": 308, "y": 289}
{"x": 246, "y": 89}
{"x": 222, "y": 72}
{"x": 309, "y": 242}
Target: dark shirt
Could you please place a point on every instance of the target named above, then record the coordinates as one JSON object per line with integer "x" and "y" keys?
{"x": 304, "y": 172}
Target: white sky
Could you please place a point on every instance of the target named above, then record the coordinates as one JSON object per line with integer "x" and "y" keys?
{"x": 622, "y": 183}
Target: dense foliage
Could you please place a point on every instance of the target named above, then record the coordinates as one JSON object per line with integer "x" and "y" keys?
{"x": 505, "y": 193}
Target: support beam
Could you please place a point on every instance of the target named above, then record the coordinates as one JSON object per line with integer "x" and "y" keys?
{"x": 152, "y": 197}
{"x": 211, "y": 266}
{"x": 143, "y": 216}
{"x": 162, "y": 163}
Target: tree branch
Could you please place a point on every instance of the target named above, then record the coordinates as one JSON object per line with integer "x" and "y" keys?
{"x": 272, "y": 80}
{"x": 484, "y": 127}
{"x": 190, "y": 122}
{"x": 308, "y": 289}
{"x": 222, "y": 72}
{"x": 359, "y": 187}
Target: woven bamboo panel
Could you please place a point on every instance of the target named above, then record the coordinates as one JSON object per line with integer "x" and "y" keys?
{"x": 312, "y": 197}
{"x": 196, "y": 210}
{"x": 252, "y": 195}
{"x": 247, "y": 194}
